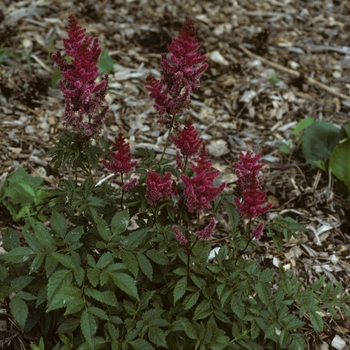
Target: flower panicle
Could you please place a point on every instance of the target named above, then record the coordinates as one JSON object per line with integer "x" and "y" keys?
{"x": 181, "y": 71}
{"x": 83, "y": 97}
{"x": 187, "y": 140}
{"x": 199, "y": 189}
{"x": 207, "y": 231}
{"x": 250, "y": 200}
{"x": 180, "y": 236}
{"x": 122, "y": 158}
{"x": 158, "y": 187}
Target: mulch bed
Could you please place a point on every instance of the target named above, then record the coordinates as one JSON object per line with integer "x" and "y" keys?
{"x": 272, "y": 63}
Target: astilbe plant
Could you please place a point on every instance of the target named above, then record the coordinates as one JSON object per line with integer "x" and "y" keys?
{"x": 133, "y": 267}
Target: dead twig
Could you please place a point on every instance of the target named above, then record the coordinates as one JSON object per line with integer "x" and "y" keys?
{"x": 294, "y": 73}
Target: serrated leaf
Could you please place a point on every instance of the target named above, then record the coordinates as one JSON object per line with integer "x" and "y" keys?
{"x": 21, "y": 282}
{"x": 264, "y": 292}
{"x": 19, "y": 310}
{"x": 126, "y": 283}
{"x": 57, "y": 280}
{"x": 99, "y": 313}
{"x": 316, "y": 321}
{"x": 190, "y": 300}
{"x": 180, "y": 289}
{"x": 36, "y": 263}
{"x": 3, "y": 273}
{"x": 120, "y": 222}
{"x": 104, "y": 260}
{"x": 158, "y": 256}
{"x": 135, "y": 238}
{"x": 130, "y": 262}
{"x": 10, "y": 240}
{"x": 50, "y": 265}
{"x": 233, "y": 215}
{"x": 68, "y": 326}
{"x": 190, "y": 330}
{"x": 93, "y": 276}
{"x": 88, "y": 326}
{"x": 43, "y": 236}
{"x": 157, "y": 337}
{"x": 103, "y": 229}
{"x": 107, "y": 297}
{"x": 18, "y": 255}
{"x": 64, "y": 296}
{"x": 145, "y": 265}
{"x": 141, "y": 344}
{"x": 203, "y": 310}
{"x": 58, "y": 223}
{"x": 65, "y": 260}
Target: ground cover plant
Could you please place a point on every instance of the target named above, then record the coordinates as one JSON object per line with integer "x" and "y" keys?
{"x": 133, "y": 268}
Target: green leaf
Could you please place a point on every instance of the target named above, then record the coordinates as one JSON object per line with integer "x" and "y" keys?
{"x": 104, "y": 260}
{"x": 190, "y": 330}
{"x": 233, "y": 215}
{"x": 21, "y": 282}
{"x": 58, "y": 280}
{"x": 180, "y": 289}
{"x": 43, "y": 236}
{"x": 103, "y": 229}
{"x": 10, "y": 240}
{"x": 58, "y": 223}
{"x": 141, "y": 344}
{"x": 284, "y": 148}
{"x": 340, "y": 162}
{"x": 99, "y": 313}
{"x": 66, "y": 296}
{"x": 145, "y": 265}
{"x": 135, "y": 238}
{"x": 68, "y": 326}
{"x": 316, "y": 321}
{"x": 19, "y": 310}
{"x": 157, "y": 336}
{"x": 36, "y": 263}
{"x": 158, "y": 256}
{"x": 18, "y": 255}
{"x": 93, "y": 276}
{"x": 303, "y": 124}
{"x": 126, "y": 283}
{"x": 264, "y": 292}
{"x": 107, "y": 297}
{"x": 130, "y": 261}
{"x": 203, "y": 310}
{"x": 3, "y": 272}
{"x": 88, "y": 326}
{"x": 106, "y": 62}
{"x": 319, "y": 141}
{"x": 190, "y": 300}
{"x": 65, "y": 260}
{"x": 120, "y": 222}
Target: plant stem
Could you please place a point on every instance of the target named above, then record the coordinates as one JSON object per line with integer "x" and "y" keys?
{"x": 122, "y": 196}
{"x": 249, "y": 240}
{"x": 168, "y": 138}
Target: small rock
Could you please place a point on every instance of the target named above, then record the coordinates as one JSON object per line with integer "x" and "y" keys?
{"x": 216, "y": 57}
{"x": 338, "y": 343}
{"x": 218, "y": 148}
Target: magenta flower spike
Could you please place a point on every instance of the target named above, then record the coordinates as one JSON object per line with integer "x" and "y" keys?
{"x": 199, "y": 188}
{"x": 83, "y": 97}
{"x": 250, "y": 200}
{"x": 122, "y": 159}
{"x": 187, "y": 140}
{"x": 158, "y": 187}
{"x": 180, "y": 74}
{"x": 179, "y": 236}
{"x": 208, "y": 230}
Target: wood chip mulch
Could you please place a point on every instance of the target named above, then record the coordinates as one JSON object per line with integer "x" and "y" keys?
{"x": 272, "y": 63}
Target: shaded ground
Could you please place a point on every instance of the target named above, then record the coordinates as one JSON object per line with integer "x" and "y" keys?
{"x": 271, "y": 65}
